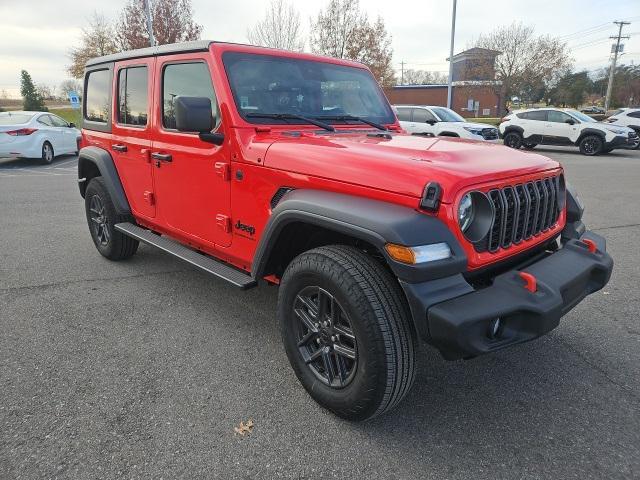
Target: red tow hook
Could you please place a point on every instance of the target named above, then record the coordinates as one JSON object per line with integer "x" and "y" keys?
{"x": 531, "y": 283}
{"x": 591, "y": 245}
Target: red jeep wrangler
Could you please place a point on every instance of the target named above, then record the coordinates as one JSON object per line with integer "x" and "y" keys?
{"x": 256, "y": 164}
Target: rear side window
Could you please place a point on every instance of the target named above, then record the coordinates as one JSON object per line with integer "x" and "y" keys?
{"x": 404, "y": 114}
{"x": 535, "y": 115}
{"x": 45, "y": 120}
{"x": 97, "y": 96}
{"x": 132, "y": 96}
{"x": 189, "y": 80}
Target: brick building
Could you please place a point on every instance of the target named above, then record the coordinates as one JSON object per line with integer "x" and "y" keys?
{"x": 475, "y": 91}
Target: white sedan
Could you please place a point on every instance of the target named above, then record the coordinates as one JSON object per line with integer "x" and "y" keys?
{"x": 40, "y": 135}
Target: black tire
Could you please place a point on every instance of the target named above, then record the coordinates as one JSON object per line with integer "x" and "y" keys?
{"x": 591, "y": 145}
{"x": 636, "y": 145}
{"x": 101, "y": 218}
{"x": 513, "y": 140}
{"x": 529, "y": 145}
{"x": 47, "y": 153}
{"x": 368, "y": 299}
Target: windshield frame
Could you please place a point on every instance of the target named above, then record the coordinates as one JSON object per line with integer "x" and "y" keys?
{"x": 434, "y": 110}
{"x": 389, "y": 117}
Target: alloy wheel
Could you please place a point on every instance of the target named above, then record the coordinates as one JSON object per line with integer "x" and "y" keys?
{"x": 47, "y": 152}
{"x": 325, "y": 337}
{"x": 99, "y": 220}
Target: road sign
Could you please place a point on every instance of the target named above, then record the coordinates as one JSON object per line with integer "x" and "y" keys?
{"x": 74, "y": 99}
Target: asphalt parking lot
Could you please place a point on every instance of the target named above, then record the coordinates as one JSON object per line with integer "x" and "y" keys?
{"x": 141, "y": 369}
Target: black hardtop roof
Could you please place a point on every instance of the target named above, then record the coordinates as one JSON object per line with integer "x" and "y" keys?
{"x": 184, "y": 47}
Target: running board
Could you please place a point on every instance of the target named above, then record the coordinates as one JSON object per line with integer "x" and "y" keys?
{"x": 203, "y": 262}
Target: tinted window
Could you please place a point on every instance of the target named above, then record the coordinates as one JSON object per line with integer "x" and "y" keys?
{"x": 57, "y": 121}
{"x": 635, "y": 114}
{"x": 535, "y": 115}
{"x": 404, "y": 114}
{"x": 558, "y": 117}
{"x": 421, "y": 115}
{"x": 189, "y": 80}
{"x": 132, "y": 96}
{"x": 10, "y": 118}
{"x": 264, "y": 84}
{"x": 45, "y": 120}
{"x": 447, "y": 115}
{"x": 98, "y": 87}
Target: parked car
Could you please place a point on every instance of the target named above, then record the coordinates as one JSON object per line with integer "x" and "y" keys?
{"x": 261, "y": 165}
{"x": 442, "y": 122}
{"x": 593, "y": 110}
{"x": 563, "y": 126}
{"x": 627, "y": 117}
{"x": 36, "y": 135}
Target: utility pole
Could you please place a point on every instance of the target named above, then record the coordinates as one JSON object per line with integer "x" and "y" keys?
{"x": 612, "y": 69}
{"x": 453, "y": 36}
{"x": 402, "y": 72}
{"x": 147, "y": 11}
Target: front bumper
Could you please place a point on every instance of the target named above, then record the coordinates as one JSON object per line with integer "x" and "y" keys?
{"x": 621, "y": 141}
{"x": 461, "y": 327}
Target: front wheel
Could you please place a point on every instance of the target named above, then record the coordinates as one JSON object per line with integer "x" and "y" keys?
{"x": 591, "y": 145}
{"x": 513, "y": 140}
{"x": 347, "y": 332}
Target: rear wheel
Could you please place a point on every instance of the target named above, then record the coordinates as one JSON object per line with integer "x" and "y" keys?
{"x": 47, "y": 153}
{"x": 591, "y": 145}
{"x": 513, "y": 140}
{"x": 346, "y": 331}
{"x": 101, "y": 217}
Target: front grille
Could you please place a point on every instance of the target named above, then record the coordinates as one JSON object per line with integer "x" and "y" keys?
{"x": 490, "y": 133}
{"x": 521, "y": 212}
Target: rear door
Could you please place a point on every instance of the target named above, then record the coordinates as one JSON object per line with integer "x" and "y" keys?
{"x": 191, "y": 176}
{"x": 534, "y": 123}
{"x": 131, "y": 132}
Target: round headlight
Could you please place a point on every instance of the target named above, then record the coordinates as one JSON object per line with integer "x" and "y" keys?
{"x": 465, "y": 212}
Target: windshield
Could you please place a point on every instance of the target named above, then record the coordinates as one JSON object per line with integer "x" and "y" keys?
{"x": 263, "y": 84}
{"x": 9, "y": 118}
{"x": 446, "y": 115}
{"x": 580, "y": 116}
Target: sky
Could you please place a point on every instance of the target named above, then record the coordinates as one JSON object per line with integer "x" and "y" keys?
{"x": 36, "y": 35}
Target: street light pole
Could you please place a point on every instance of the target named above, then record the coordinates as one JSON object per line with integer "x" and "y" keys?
{"x": 147, "y": 12}
{"x": 453, "y": 35}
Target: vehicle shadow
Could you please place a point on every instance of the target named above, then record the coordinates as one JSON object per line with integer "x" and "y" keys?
{"x": 8, "y": 163}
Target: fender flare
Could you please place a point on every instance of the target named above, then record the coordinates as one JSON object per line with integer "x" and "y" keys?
{"x": 448, "y": 134}
{"x": 514, "y": 128}
{"x": 107, "y": 168}
{"x": 373, "y": 221}
{"x": 591, "y": 131}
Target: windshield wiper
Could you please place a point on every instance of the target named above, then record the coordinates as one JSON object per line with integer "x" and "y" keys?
{"x": 293, "y": 116}
{"x": 344, "y": 118}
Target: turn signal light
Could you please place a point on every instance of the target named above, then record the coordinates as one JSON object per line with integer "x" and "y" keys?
{"x": 419, "y": 254}
{"x": 400, "y": 253}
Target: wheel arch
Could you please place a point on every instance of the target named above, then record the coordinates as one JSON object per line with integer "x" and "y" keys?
{"x": 448, "y": 134}
{"x": 94, "y": 162}
{"x": 587, "y": 132}
{"x": 313, "y": 218}
{"x": 514, "y": 128}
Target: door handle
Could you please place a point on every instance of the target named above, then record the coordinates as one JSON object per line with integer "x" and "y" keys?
{"x": 164, "y": 157}
{"x": 119, "y": 148}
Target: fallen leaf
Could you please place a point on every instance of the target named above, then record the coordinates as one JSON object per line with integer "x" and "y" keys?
{"x": 606, "y": 293}
{"x": 244, "y": 428}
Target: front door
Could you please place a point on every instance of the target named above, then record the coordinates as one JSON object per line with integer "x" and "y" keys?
{"x": 191, "y": 176}
{"x": 560, "y": 128}
{"x": 131, "y": 132}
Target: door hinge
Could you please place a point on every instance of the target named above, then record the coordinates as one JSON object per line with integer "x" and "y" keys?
{"x": 223, "y": 222}
{"x": 149, "y": 197}
{"x": 224, "y": 170}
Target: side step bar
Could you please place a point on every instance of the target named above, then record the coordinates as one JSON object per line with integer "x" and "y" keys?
{"x": 203, "y": 262}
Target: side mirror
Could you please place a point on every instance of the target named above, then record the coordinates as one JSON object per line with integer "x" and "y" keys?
{"x": 570, "y": 121}
{"x": 431, "y": 122}
{"x": 194, "y": 114}
{"x": 72, "y": 125}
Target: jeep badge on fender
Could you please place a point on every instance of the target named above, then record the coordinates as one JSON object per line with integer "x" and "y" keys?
{"x": 474, "y": 248}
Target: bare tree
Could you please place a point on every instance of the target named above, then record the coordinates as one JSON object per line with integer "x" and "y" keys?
{"x": 96, "y": 40}
{"x": 69, "y": 86}
{"x": 172, "y": 23}
{"x": 424, "y": 77}
{"x": 280, "y": 28}
{"x": 526, "y": 60}
{"x": 344, "y": 31}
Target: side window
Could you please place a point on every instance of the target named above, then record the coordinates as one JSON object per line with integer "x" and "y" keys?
{"x": 97, "y": 104}
{"x": 404, "y": 114}
{"x": 57, "y": 121}
{"x": 540, "y": 115}
{"x": 187, "y": 79}
{"x": 45, "y": 120}
{"x": 558, "y": 117}
{"x": 635, "y": 114}
{"x": 132, "y": 96}
{"x": 420, "y": 115}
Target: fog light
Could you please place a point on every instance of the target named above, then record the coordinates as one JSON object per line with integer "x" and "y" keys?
{"x": 494, "y": 328}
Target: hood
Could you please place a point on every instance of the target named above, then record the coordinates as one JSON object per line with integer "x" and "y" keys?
{"x": 403, "y": 164}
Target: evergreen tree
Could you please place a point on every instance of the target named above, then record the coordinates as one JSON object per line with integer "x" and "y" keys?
{"x": 31, "y": 99}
